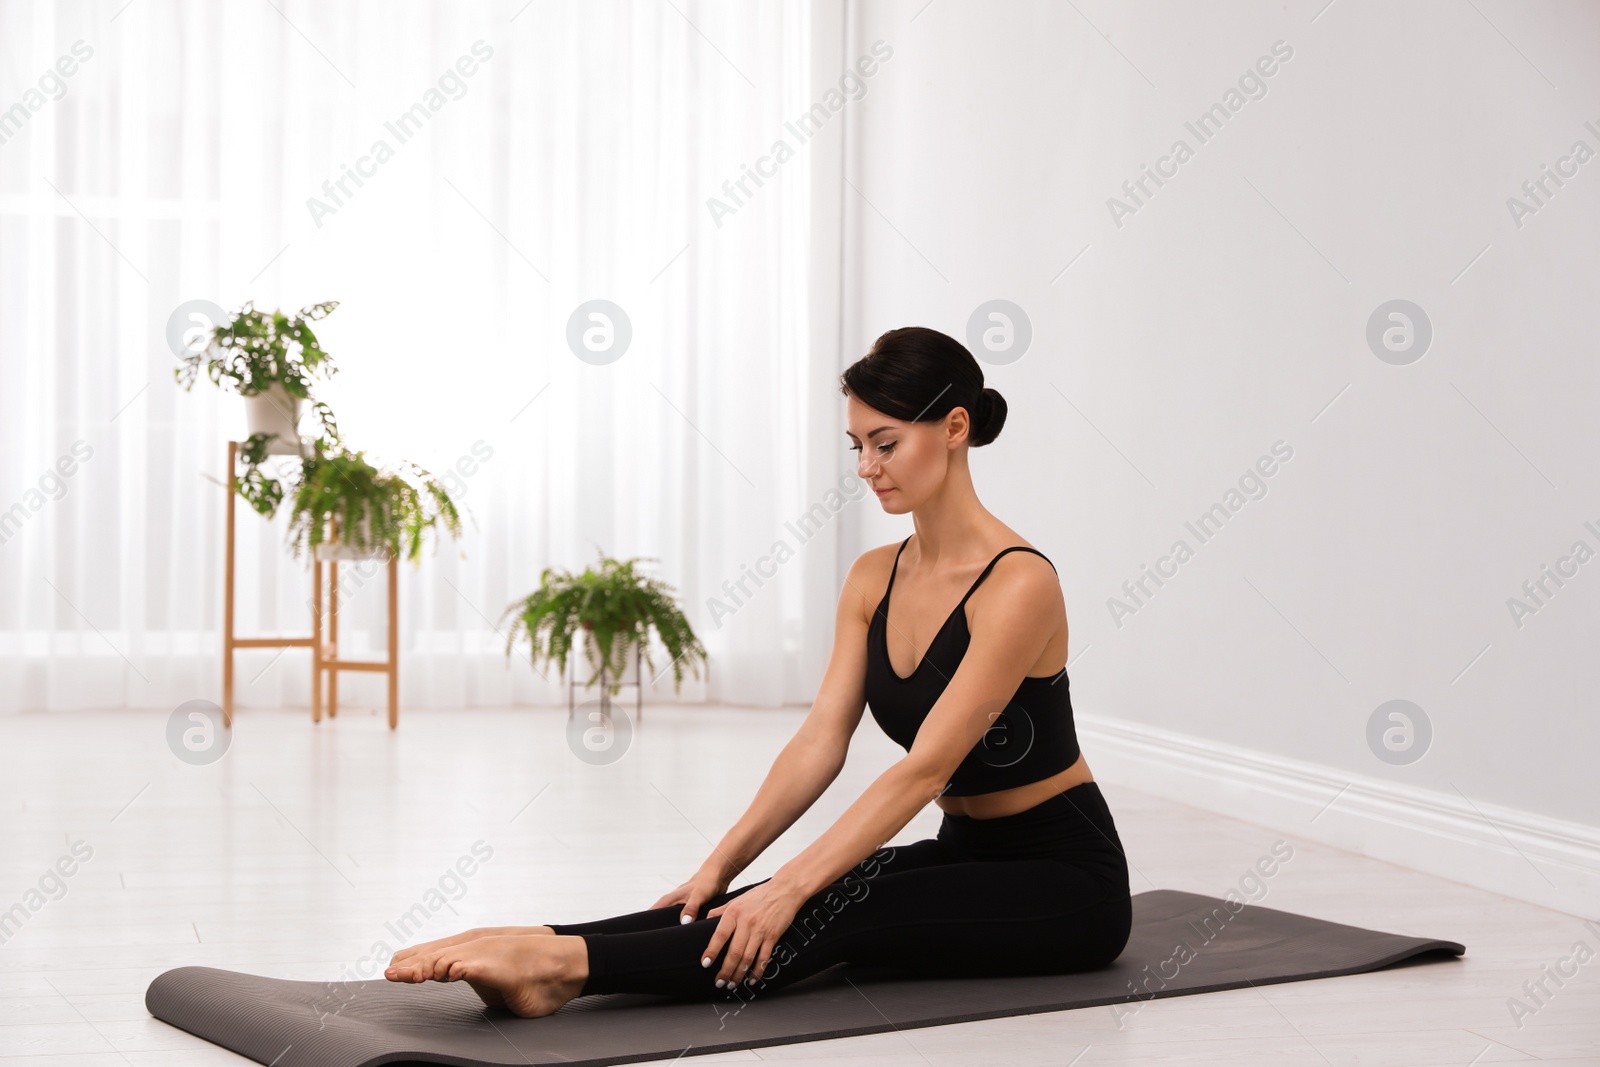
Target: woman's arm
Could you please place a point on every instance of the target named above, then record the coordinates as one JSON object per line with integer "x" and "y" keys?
{"x": 813, "y": 758}
{"x": 1009, "y": 633}
{"x": 800, "y": 774}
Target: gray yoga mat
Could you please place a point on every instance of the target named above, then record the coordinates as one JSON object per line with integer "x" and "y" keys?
{"x": 1181, "y": 943}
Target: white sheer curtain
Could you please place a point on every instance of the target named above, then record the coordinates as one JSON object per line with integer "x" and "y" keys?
{"x": 556, "y": 153}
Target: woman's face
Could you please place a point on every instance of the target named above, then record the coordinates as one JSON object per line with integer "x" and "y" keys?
{"x": 903, "y": 462}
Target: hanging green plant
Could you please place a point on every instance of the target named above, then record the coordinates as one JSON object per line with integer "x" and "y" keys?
{"x": 261, "y": 490}
{"x": 369, "y": 509}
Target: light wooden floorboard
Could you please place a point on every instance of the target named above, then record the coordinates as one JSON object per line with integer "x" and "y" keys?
{"x": 293, "y": 855}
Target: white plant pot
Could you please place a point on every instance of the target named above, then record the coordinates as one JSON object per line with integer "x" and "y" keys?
{"x": 592, "y": 653}
{"x": 341, "y": 551}
{"x": 276, "y": 412}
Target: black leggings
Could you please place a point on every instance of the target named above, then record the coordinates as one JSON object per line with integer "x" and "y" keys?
{"x": 1043, "y": 891}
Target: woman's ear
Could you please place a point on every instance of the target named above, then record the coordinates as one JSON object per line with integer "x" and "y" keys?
{"x": 958, "y": 427}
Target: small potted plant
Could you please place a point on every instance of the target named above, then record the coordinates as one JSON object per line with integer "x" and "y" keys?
{"x": 343, "y": 507}
{"x": 615, "y": 609}
{"x": 270, "y": 360}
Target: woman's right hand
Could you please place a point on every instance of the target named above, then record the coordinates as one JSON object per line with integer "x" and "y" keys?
{"x": 694, "y": 893}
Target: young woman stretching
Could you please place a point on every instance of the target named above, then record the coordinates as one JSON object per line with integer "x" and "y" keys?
{"x": 1026, "y": 874}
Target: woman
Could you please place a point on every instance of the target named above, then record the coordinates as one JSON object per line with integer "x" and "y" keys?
{"x": 1026, "y": 874}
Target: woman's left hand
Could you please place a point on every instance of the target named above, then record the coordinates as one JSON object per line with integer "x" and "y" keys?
{"x": 750, "y": 926}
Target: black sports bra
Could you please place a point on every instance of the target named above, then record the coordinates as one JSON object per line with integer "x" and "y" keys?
{"x": 1032, "y": 738}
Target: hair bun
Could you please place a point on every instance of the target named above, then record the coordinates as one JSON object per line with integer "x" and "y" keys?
{"x": 989, "y": 417}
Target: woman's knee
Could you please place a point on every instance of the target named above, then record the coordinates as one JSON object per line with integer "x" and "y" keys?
{"x": 891, "y": 859}
{"x": 727, "y": 895}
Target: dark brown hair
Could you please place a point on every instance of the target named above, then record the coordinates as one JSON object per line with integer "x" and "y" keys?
{"x": 919, "y": 375}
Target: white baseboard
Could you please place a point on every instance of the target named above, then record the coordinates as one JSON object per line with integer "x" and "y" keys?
{"x": 1546, "y": 861}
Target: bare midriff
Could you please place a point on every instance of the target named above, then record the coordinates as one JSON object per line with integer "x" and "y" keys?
{"x": 1010, "y": 801}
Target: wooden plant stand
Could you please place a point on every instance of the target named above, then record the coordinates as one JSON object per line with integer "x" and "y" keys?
{"x": 324, "y": 658}
{"x": 229, "y": 641}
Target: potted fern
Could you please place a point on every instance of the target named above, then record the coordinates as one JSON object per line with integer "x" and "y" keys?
{"x": 344, "y": 507}
{"x": 614, "y": 609}
{"x": 270, "y": 360}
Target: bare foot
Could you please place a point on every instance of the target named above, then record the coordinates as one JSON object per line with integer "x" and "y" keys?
{"x": 527, "y": 976}
{"x": 408, "y": 956}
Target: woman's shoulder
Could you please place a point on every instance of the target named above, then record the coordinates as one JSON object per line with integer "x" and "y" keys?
{"x": 1004, "y": 539}
{"x": 1022, "y": 550}
{"x": 1018, "y": 568}
{"x": 876, "y": 558}
{"x": 868, "y": 576}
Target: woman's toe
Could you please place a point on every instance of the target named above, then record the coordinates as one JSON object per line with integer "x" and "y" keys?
{"x": 439, "y": 967}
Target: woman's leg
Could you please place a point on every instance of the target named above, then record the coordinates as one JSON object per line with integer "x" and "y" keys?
{"x": 419, "y": 962}
{"x": 1036, "y": 916}
{"x": 896, "y": 857}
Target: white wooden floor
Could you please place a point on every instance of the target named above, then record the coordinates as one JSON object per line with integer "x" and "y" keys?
{"x": 290, "y": 855}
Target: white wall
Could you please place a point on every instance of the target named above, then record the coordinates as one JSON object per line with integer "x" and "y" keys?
{"x": 1224, "y": 315}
